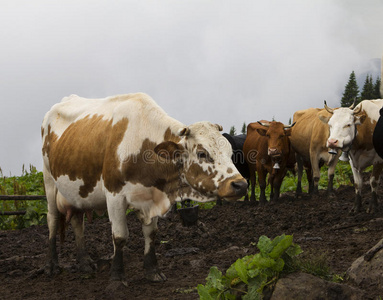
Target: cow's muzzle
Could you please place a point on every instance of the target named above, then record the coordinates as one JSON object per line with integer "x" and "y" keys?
{"x": 233, "y": 188}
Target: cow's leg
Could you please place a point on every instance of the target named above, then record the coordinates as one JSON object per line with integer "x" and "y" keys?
{"x": 300, "y": 173}
{"x": 52, "y": 266}
{"x": 374, "y": 181}
{"x": 316, "y": 171}
{"x": 247, "y": 194}
{"x": 330, "y": 185}
{"x": 151, "y": 269}
{"x": 117, "y": 215}
{"x": 86, "y": 264}
{"x": 277, "y": 182}
{"x": 358, "y": 183}
{"x": 262, "y": 186}
{"x": 309, "y": 175}
{"x": 252, "y": 181}
{"x": 330, "y": 173}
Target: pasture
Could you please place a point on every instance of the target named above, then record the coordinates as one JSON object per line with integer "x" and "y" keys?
{"x": 322, "y": 226}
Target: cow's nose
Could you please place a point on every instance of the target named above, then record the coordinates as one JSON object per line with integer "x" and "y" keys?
{"x": 239, "y": 187}
{"x": 273, "y": 151}
{"x": 332, "y": 143}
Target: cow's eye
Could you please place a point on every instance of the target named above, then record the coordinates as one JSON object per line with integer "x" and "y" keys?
{"x": 204, "y": 156}
{"x": 201, "y": 155}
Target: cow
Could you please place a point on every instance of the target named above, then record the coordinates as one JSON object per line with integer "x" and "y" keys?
{"x": 308, "y": 139}
{"x": 236, "y": 142}
{"x": 351, "y": 131}
{"x": 267, "y": 151}
{"x": 377, "y": 137}
{"x": 125, "y": 152}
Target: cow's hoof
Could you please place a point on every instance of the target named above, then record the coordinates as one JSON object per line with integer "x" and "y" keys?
{"x": 87, "y": 266}
{"x": 371, "y": 209}
{"x": 51, "y": 269}
{"x": 354, "y": 210}
{"x": 156, "y": 277}
{"x": 114, "y": 286}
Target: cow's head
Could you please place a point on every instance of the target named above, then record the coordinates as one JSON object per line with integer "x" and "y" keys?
{"x": 203, "y": 157}
{"x": 276, "y": 133}
{"x": 342, "y": 122}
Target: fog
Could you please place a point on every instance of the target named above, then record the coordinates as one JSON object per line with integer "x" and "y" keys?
{"x": 227, "y": 62}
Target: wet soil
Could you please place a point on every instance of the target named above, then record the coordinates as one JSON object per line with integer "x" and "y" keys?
{"x": 320, "y": 224}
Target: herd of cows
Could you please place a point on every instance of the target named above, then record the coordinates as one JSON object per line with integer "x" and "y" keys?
{"x": 125, "y": 152}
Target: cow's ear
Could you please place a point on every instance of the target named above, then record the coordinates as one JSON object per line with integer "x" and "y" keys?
{"x": 169, "y": 150}
{"x": 360, "y": 119}
{"x": 324, "y": 116}
{"x": 288, "y": 132}
{"x": 262, "y": 131}
{"x": 219, "y": 127}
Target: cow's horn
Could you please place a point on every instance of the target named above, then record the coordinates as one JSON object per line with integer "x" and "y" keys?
{"x": 264, "y": 124}
{"x": 357, "y": 109}
{"x": 353, "y": 104}
{"x": 288, "y": 126}
{"x": 184, "y": 131}
{"x": 329, "y": 109}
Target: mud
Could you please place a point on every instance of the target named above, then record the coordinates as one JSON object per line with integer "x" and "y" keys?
{"x": 319, "y": 224}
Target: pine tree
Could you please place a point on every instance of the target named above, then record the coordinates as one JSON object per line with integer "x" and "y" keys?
{"x": 351, "y": 92}
{"x": 244, "y": 128}
{"x": 368, "y": 89}
{"x": 232, "y": 130}
{"x": 377, "y": 94}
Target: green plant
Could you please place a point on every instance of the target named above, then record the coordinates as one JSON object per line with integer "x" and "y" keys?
{"x": 29, "y": 183}
{"x": 248, "y": 276}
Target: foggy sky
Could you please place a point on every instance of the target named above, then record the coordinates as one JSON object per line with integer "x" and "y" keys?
{"x": 227, "y": 62}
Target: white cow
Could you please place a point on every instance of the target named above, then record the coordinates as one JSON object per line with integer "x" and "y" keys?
{"x": 125, "y": 151}
{"x": 351, "y": 130}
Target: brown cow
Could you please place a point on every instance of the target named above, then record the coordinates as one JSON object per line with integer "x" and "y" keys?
{"x": 267, "y": 151}
{"x": 308, "y": 139}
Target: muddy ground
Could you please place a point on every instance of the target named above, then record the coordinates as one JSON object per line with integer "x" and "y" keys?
{"x": 320, "y": 225}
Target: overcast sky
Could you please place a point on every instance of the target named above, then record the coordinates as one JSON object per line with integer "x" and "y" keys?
{"x": 227, "y": 62}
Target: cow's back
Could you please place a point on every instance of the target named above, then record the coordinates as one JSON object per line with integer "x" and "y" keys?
{"x": 309, "y": 133}
{"x": 87, "y": 139}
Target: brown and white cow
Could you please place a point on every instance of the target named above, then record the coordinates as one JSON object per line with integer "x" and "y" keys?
{"x": 125, "y": 151}
{"x": 267, "y": 151}
{"x": 308, "y": 139}
{"x": 351, "y": 130}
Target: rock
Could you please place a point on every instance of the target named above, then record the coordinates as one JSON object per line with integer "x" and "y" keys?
{"x": 367, "y": 270}
{"x": 302, "y": 286}
{"x": 197, "y": 263}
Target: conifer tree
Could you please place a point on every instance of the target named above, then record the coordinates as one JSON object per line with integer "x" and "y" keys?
{"x": 377, "y": 94}
{"x": 368, "y": 89}
{"x": 244, "y": 128}
{"x": 232, "y": 130}
{"x": 351, "y": 92}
